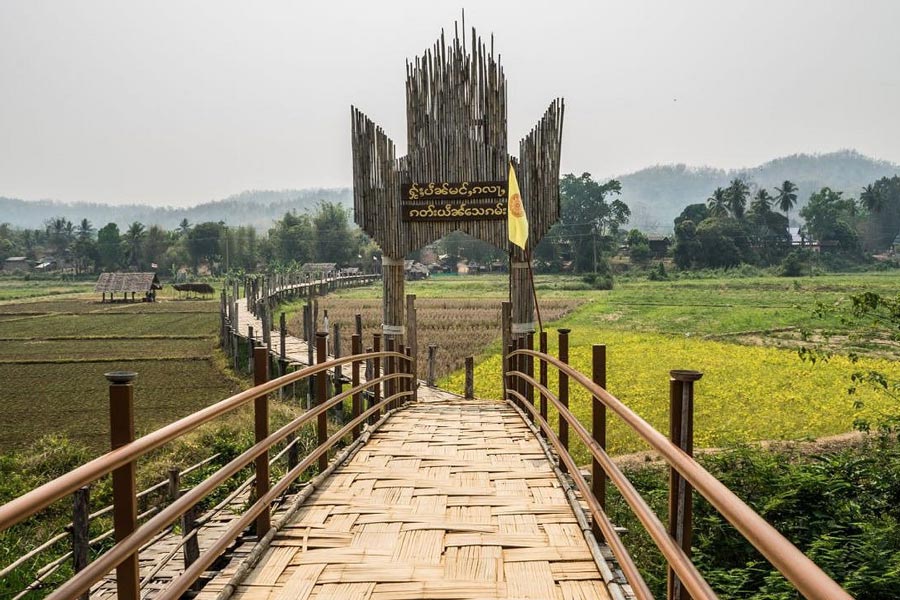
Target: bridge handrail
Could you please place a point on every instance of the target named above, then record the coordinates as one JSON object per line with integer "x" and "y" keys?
{"x": 797, "y": 568}
{"x": 39, "y": 498}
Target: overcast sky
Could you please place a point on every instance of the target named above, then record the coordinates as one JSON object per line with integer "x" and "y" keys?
{"x": 175, "y": 103}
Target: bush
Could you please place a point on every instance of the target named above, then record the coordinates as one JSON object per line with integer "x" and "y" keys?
{"x": 840, "y": 507}
{"x": 794, "y": 264}
{"x": 598, "y": 281}
{"x": 659, "y": 273}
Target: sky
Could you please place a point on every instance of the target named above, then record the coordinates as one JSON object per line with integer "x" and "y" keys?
{"x": 178, "y": 103}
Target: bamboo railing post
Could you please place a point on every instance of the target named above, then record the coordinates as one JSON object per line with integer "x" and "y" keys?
{"x": 542, "y": 377}
{"x": 412, "y": 339}
{"x": 376, "y": 373}
{"x": 529, "y": 369}
{"x": 357, "y": 322}
{"x": 174, "y": 487}
{"x": 191, "y": 548}
{"x": 321, "y": 396}
{"x": 282, "y": 331}
{"x": 598, "y": 430}
{"x": 563, "y": 391}
{"x": 681, "y": 433}
{"x": 261, "y": 432}
{"x": 401, "y": 368}
{"x": 470, "y": 377}
{"x": 293, "y": 455}
{"x": 412, "y": 381}
{"x": 432, "y": 355}
{"x": 121, "y": 427}
{"x": 81, "y": 510}
{"x": 505, "y": 324}
{"x": 391, "y": 384}
{"x": 338, "y": 369}
{"x": 250, "y": 346}
{"x": 356, "y": 410}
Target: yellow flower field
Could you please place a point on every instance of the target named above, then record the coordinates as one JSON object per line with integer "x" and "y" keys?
{"x": 747, "y": 393}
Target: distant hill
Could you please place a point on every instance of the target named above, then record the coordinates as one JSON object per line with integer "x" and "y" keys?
{"x": 658, "y": 194}
{"x": 257, "y": 208}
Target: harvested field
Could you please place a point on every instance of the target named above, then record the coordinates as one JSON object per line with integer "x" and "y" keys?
{"x": 106, "y": 324}
{"x": 72, "y": 398}
{"x": 89, "y": 349}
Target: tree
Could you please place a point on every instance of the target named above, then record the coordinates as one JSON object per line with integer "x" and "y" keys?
{"x": 590, "y": 217}
{"x": 60, "y": 233}
{"x": 85, "y": 230}
{"x": 333, "y": 242}
{"x": 203, "y": 243}
{"x": 184, "y": 227}
{"x": 109, "y": 249}
{"x": 737, "y": 194}
{"x": 762, "y": 202}
{"x": 154, "y": 248}
{"x": 786, "y": 198}
{"x": 134, "y": 238}
{"x": 722, "y": 243}
{"x": 882, "y": 201}
{"x": 718, "y": 204}
{"x": 292, "y": 238}
{"x": 638, "y": 247}
{"x": 693, "y": 212}
{"x": 831, "y": 218}
{"x": 687, "y": 246}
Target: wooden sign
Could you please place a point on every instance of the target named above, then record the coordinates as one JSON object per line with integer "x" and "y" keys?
{"x": 457, "y": 201}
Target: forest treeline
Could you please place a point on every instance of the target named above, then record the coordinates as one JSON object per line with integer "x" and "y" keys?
{"x": 742, "y": 223}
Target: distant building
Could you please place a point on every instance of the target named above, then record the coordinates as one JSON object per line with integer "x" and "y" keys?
{"x": 145, "y": 284}
{"x": 16, "y": 263}
{"x": 659, "y": 245}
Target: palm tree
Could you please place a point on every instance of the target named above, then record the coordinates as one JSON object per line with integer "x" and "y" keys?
{"x": 718, "y": 203}
{"x": 871, "y": 198}
{"x": 762, "y": 202}
{"x": 736, "y": 194}
{"x": 786, "y": 198}
{"x": 133, "y": 238}
{"x": 85, "y": 230}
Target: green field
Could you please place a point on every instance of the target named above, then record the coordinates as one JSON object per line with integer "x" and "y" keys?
{"x": 741, "y": 332}
{"x": 53, "y": 353}
{"x": 16, "y": 288}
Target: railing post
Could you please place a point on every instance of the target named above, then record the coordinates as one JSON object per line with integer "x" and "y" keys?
{"x": 470, "y": 377}
{"x": 598, "y": 430}
{"x": 563, "y": 392}
{"x": 391, "y": 384}
{"x": 681, "y": 433}
{"x": 282, "y": 334}
{"x": 506, "y": 342}
{"x": 191, "y": 548}
{"x": 250, "y": 346}
{"x": 321, "y": 396}
{"x": 529, "y": 369}
{"x": 432, "y": 355}
{"x": 338, "y": 369}
{"x": 412, "y": 382}
{"x": 357, "y": 322}
{"x": 121, "y": 427}
{"x": 81, "y": 510}
{"x": 261, "y": 431}
{"x": 412, "y": 340}
{"x": 376, "y": 373}
{"x": 542, "y": 377}
{"x": 356, "y": 410}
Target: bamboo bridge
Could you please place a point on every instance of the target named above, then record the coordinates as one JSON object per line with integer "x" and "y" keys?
{"x": 420, "y": 494}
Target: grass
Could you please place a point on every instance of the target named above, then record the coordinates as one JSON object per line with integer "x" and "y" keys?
{"x": 17, "y": 288}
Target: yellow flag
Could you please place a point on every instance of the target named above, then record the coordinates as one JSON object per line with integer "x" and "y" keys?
{"x": 516, "y": 221}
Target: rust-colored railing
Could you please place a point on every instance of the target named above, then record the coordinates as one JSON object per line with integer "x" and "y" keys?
{"x": 674, "y": 540}
{"x": 399, "y": 385}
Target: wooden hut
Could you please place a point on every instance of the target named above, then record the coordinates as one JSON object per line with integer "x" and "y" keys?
{"x": 144, "y": 284}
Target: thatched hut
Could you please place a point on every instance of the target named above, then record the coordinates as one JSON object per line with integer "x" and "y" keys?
{"x": 145, "y": 284}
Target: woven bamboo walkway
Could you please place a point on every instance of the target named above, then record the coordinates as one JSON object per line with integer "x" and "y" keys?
{"x": 451, "y": 500}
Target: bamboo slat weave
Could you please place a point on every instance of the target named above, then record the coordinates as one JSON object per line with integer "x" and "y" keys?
{"x": 450, "y": 499}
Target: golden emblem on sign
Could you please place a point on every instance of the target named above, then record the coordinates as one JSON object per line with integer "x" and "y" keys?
{"x": 515, "y": 206}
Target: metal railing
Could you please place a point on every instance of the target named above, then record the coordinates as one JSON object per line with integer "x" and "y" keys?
{"x": 396, "y": 379}
{"x": 686, "y": 474}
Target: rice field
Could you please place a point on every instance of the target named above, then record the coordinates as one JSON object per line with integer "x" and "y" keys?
{"x": 54, "y": 352}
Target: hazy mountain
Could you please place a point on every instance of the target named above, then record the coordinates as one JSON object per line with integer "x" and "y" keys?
{"x": 258, "y": 208}
{"x": 658, "y": 194}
